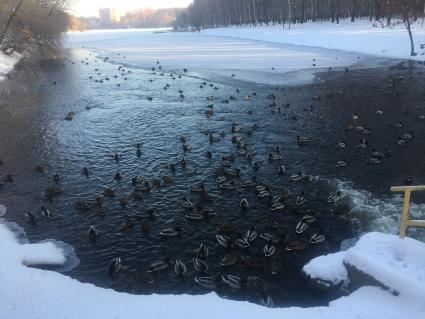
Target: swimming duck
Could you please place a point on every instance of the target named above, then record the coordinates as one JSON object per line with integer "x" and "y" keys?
{"x": 180, "y": 268}
{"x": 244, "y": 203}
{"x": 269, "y": 250}
{"x": 85, "y": 171}
{"x": 341, "y": 144}
{"x": 281, "y": 170}
{"x": 296, "y": 177}
{"x": 223, "y": 240}
{"x": 401, "y": 141}
{"x": 114, "y": 267}
{"x": 233, "y": 282}
{"x": 203, "y": 251}
{"x": 277, "y": 205}
{"x": 363, "y": 143}
{"x": 143, "y": 189}
{"x": 227, "y": 185}
{"x": 309, "y": 219}
{"x": 266, "y": 301}
{"x": 341, "y": 163}
{"x": 274, "y": 238}
{"x": 301, "y": 227}
{"x": 250, "y": 183}
{"x": 200, "y": 265}
{"x": 302, "y": 141}
{"x": 45, "y": 212}
{"x": 118, "y": 176}
{"x": 300, "y": 200}
{"x": 334, "y": 197}
{"x": 251, "y": 234}
{"x": 229, "y": 260}
{"x": 206, "y": 282}
{"x": 274, "y": 157}
{"x": 159, "y": 265}
{"x": 296, "y": 245}
{"x": 92, "y": 233}
{"x": 374, "y": 160}
{"x": 242, "y": 242}
{"x": 408, "y": 181}
{"x": 171, "y": 232}
{"x": 377, "y": 154}
{"x": 317, "y": 238}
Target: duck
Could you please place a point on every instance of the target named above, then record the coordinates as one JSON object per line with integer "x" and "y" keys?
{"x": 300, "y": 200}
{"x": 341, "y": 163}
{"x": 334, "y": 197}
{"x": 200, "y": 265}
{"x": 45, "y": 212}
{"x": 146, "y": 188}
{"x": 242, "y": 242}
{"x": 180, "y": 268}
{"x": 229, "y": 260}
{"x": 223, "y": 240}
{"x": 31, "y": 218}
{"x": 374, "y": 161}
{"x": 302, "y": 141}
{"x": 281, "y": 170}
{"x": 203, "y": 251}
{"x": 85, "y": 171}
{"x": 341, "y": 144}
{"x": 269, "y": 250}
{"x": 171, "y": 232}
{"x": 296, "y": 177}
{"x": 159, "y": 265}
{"x": 56, "y": 178}
{"x": 221, "y": 179}
{"x": 206, "y": 282}
{"x": 186, "y": 203}
{"x": 244, "y": 203}
{"x": 273, "y": 238}
{"x": 251, "y": 234}
{"x": 301, "y": 227}
{"x": 249, "y": 183}
{"x": 277, "y": 205}
{"x": 92, "y": 233}
{"x": 309, "y": 219}
{"x": 227, "y": 185}
{"x": 377, "y": 154}
{"x": 267, "y": 301}
{"x": 274, "y": 157}
{"x": 408, "y": 181}
{"x": 137, "y": 180}
{"x": 317, "y": 238}
{"x": 296, "y": 245}
{"x": 114, "y": 267}
{"x": 232, "y": 281}
{"x": 118, "y": 176}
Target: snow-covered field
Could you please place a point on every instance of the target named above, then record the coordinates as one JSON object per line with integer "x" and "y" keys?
{"x": 7, "y": 63}
{"x": 360, "y": 36}
{"x": 33, "y": 293}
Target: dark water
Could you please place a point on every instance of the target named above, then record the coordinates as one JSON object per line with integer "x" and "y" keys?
{"x": 112, "y": 119}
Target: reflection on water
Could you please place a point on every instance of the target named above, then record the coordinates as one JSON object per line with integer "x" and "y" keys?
{"x": 132, "y": 106}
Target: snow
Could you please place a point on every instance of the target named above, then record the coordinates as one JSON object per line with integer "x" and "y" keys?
{"x": 261, "y": 54}
{"x": 7, "y": 62}
{"x": 398, "y": 264}
{"x": 35, "y": 293}
{"x": 359, "y": 36}
{"x": 210, "y": 56}
{"x": 328, "y": 269}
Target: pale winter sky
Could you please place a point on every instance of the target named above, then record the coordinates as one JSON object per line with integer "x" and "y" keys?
{"x": 90, "y": 7}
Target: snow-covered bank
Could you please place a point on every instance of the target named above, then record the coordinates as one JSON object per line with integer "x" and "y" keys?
{"x": 398, "y": 264}
{"x": 33, "y": 293}
{"x": 7, "y": 62}
{"x": 215, "y": 56}
{"x": 360, "y": 36}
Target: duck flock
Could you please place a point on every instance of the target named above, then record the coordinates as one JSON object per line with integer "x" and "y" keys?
{"x": 286, "y": 224}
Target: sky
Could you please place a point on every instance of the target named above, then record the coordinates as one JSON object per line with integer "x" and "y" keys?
{"x": 88, "y": 8}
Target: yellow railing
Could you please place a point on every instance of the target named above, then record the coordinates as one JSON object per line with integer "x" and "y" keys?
{"x": 405, "y": 221}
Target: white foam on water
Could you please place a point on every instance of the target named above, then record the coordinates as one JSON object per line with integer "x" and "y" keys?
{"x": 372, "y": 213}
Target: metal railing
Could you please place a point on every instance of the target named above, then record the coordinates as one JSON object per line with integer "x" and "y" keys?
{"x": 405, "y": 221}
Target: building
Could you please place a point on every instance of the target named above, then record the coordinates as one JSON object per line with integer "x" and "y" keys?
{"x": 108, "y": 15}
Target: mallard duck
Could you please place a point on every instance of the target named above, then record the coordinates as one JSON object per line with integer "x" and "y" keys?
{"x": 341, "y": 163}
{"x": 302, "y": 140}
{"x": 203, "y": 251}
{"x": 251, "y": 234}
{"x": 334, "y": 197}
{"x": 45, "y": 212}
{"x": 341, "y": 144}
{"x": 269, "y": 250}
{"x": 300, "y": 200}
{"x": 309, "y": 219}
{"x": 200, "y": 265}
{"x": 92, "y": 233}
{"x": 223, "y": 240}
{"x": 244, "y": 203}
{"x": 274, "y": 157}
{"x": 171, "y": 232}
{"x": 377, "y": 154}
{"x": 85, "y": 171}
{"x": 374, "y": 161}
{"x": 250, "y": 183}
{"x": 281, "y": 170}
{"x": 159, "y": 265}
{"x": 114, "y": 267}
{"x": 229, "y": 260}
{"x": 227, "y": 185}
{"x": 180, "y": 268}
{"x": 296, "y": 177}
{"x": 233, "y": 282}
{"x": 206, "y": 282}
{"x": 301, "y": 227}
{"x": 296, "y": 245}
{"x": 274, "y": 238}
{"x": 317, "y": 238}
{"x": 278, "y": 205}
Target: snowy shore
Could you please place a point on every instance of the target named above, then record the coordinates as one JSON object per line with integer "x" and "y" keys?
{"x": 361, "y": 36}
{"x": 34, "y": 293}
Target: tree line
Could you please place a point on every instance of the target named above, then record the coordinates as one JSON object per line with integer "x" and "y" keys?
{"x": 217, "y": 13}
{"x": 29, "y": 24}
